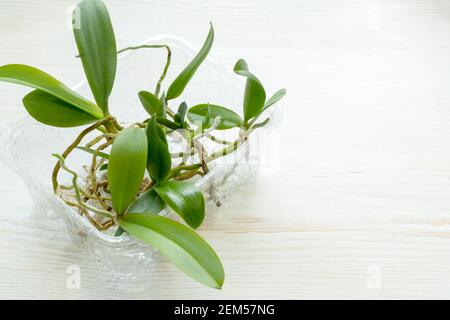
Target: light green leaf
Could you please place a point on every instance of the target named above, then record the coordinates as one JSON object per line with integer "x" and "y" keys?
{"x": 159, "y": 161}
{"x": 274, "y": 99}
{"x": 35, "y": 78}
{"x": 180, "y": 244}
{"x": 255, "y": 95}
{"x": 126, "y": 167}
{"x": 185, "y": 199}
{"x": 261, "y": 124}
{"x": 55, "y": 112}
{"x": 199, "y": 113}
{"x": 178, "y": 85}
{"x": 96, "y": 44}
{"x": 149, "y": 101}
{"x": 148, "y": 203}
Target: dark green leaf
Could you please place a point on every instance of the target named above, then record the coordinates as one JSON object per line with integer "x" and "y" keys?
{"x": 178, "y": 85}
{"x": 255, "y": 95}
{"x": 159, "y": 161}
{"x": 180, "y": 244}
{"x": 167, "y": 123}
{"x": 35, "y": 78}
{"x": 200, "y": 114}
{"x": 104, "y": 167}
{"x": 181, "y": 114}
{"x": 149, "y": 203}
{"x": 149, "y": 101}
{"x": 96, "y": 44}
{"x": 55, "y": 112}
{"x": 119, "y": 232}
{"x": 185, "y": 199}
{"x": 126, "y": 167}
{"x": 92, "y": 151}
{"x": 274, "y": 99}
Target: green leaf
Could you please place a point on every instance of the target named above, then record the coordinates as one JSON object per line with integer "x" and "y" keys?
{"x": 181, "y": 114}
{"x": 96, "y": 44}
{"x": 180, "y": 244}
{"x": 159, "y": 161}
{"x": 261, "y": 124}
{"x": 178, "y": 85}
{"x": 255, "y": 95}
{"x": 126, "y": 167}
{"x": 162, "y": 106}
{"x": 274, "y": 99}
{"x": 199, "y": 113}
{"x": 92, "y": 151}
{"x": 149, "y": 101}
{"x": 35, "y": 78}
{"x": 185, "y": 199}
{"x": 55, "y": 112}
{"x": 148, "y": 203}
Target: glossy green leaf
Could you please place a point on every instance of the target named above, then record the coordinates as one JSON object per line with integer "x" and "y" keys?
{"x": 149, "y": 101}
{"x": 35, "y": 78}
{"x": 96, "y": 44}
{"x": 185, "y": 199}
{"x": 159, "y": 161}
{"x": 55, "y": 112}
{"x": 181, "y": 114}
{"x": 274, "y": 99}
{"x": 180, "y": 244}
{"x": 178, "y": 85}
{"x": 92, "y": 151}
{"x": 254, "y": 95}
{"x": 149, "y": 203}
{"x": 126, "y": 167}
{"x": 200, "y": 114}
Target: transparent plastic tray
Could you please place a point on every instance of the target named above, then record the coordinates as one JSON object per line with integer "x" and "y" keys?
{"x": 27, "y": 147}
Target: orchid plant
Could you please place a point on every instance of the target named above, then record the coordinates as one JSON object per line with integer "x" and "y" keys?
{"x": 132, "y": 176}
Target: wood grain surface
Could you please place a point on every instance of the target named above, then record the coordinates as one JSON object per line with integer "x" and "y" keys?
{"x": 358, "y": 204}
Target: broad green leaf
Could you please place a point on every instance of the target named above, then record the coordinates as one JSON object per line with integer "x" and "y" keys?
{"x": 96, "y": 44}
{"x": 35, "y": 78}
{"x": 55, "y": 112}
{"x": 185, "y": 199}
{"x": 159, "y": 161}
{"x": 181, "y": 114}
{"x": 178, "y": 85}
{"x": 180, "y": 244}
{"x": 274, "y": 99}
{"x": 149, "y": 101}
{"x": 92, "y": 151}
{"x": 149, "y": 203}
{"x": 199, "y": 113}
{"x": 126, "y": 167}
{"x": 255, "y": 95}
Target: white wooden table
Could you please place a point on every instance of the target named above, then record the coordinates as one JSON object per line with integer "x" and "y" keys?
{"x": 359, "y": 205}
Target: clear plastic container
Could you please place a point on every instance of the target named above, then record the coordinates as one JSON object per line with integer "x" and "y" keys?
{"x": 27, "y": 147}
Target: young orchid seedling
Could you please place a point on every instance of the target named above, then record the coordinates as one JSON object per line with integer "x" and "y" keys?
{"x": 132, "y": 176}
